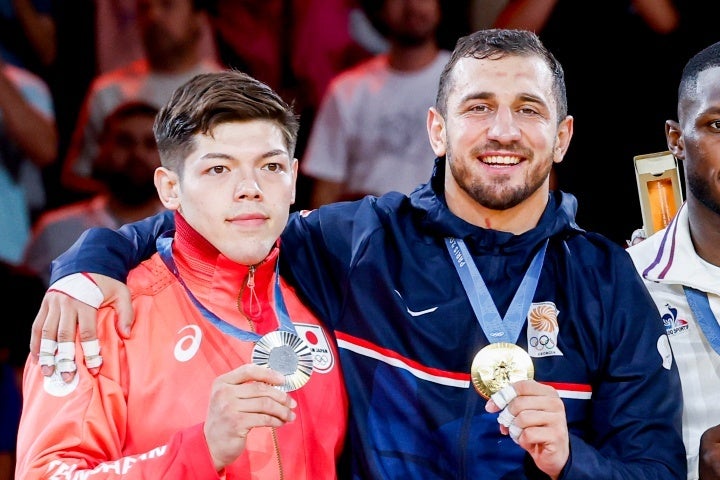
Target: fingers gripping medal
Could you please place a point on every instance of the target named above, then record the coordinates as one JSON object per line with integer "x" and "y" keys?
{"x": 286, "y": 353}
{"x": 498, "y": 365}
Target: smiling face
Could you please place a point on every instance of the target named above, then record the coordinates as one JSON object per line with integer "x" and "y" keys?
{"x": 500, "y": 135}
{"x": 235, "y": 188}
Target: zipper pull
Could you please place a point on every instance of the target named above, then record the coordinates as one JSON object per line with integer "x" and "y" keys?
{"x": 250, "y": 282}
{"x": 254, "y": 309}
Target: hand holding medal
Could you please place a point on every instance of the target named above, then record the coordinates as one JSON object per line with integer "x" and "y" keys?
{"x": 502, "y": 372}
{"x": 494, "y": 369}
{"x": 286, "y": 353}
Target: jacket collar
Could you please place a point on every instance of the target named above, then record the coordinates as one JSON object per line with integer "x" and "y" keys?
{"x": 206, "y": 270}
{"x": 670, "y": 257}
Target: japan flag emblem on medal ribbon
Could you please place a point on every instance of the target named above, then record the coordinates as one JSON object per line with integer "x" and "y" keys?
{"x": 315, "y": 337}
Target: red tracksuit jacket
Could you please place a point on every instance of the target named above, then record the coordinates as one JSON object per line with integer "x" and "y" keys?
{"x": 142, "y": 416}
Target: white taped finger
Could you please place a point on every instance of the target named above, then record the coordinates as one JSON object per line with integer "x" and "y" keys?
{"x": 65, "y": 358}
{"x": 80, "y": 287}
{"x": 65, "y": 351}
{"x": 515, "y": 432}
{"x": 505, "y": 418}
{"x": 47, "y": 346}
{"x": 46, "y": 360}
{"x": 46, "y": 356}
{"x": 65, "y": 366}
{"x": 93, "y": 361}
{"x": 504, "y": 396}
{"x": 91, "y": 348}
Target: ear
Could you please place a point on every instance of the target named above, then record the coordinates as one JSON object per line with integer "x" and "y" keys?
{"x": 294, "y": 166}
{"x": 167, "y": 184}
{"x": 564, "y": 135}
{"x": 675, "y": 140}
{"x": 436, "y": 132}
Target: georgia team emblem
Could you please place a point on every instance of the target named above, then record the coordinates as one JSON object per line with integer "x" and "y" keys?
{"x": 542, "y": 330}
{"x": 322, "y": 353}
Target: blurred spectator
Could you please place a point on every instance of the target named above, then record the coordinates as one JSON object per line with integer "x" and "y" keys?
{"x": 295, "y": 46}
{"x": 118, "y": 40}
{"x": 125, "y": 165}
{"x": 20, "y": 296}
{"x": 369, "y": 134}
{"x": 28, "y": 143}
{"x": 93, "y": 37}
{"x": 171, "y": 33}
{"x": 27, "y": 34}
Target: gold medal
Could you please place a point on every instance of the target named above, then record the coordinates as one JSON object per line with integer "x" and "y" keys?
{"x": 500, "y": 364}
{"x": 286, "y": 353}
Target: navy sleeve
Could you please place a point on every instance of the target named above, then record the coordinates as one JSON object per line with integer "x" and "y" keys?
{"x": 112, "y": 252}
{"x": 311, "y": 265}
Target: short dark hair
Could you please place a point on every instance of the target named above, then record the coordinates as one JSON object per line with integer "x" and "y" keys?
{"x": 497, "y": 43}
{"x": 706, "y": 58}
{"x": 210, "y": 99}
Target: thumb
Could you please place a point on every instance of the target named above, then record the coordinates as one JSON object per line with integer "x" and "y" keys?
{"x": 117, "y": 294}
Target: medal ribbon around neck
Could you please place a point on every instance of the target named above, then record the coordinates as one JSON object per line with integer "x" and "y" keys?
{"x": 700, "y": 306}
{"x": 164, "y": 248}
{"x": 496, "y": 329}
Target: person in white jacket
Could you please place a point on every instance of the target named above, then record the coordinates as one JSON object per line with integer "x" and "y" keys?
{"x": 681, "y": 263}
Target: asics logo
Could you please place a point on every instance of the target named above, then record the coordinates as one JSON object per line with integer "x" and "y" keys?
{"x": 415, "y": 313}
{"x": 189, "y": 344}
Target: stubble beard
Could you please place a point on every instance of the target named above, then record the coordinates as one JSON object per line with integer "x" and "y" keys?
{"x": 703, "y": 191}
{"x": 496, "y": 195}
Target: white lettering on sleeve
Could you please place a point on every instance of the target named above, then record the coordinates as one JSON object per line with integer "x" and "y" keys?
{"x": 60, "y": 470}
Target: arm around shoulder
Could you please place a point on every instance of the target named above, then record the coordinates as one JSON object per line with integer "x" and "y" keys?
{"x": 113, "y": 253}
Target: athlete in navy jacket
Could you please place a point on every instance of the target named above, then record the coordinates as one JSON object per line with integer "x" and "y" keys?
{"x": 388, "y": 275}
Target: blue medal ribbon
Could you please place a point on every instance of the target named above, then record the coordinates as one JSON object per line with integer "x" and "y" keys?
{"x": 496, "y": 329}
{"x": 700, "y": 306}
{"x": 164, "y": 248}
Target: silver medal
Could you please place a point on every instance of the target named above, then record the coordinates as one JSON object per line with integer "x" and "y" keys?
{"x": 287, "y": 353}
